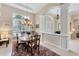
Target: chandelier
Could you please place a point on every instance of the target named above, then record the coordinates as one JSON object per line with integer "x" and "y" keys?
{"x": 27, "y": 21}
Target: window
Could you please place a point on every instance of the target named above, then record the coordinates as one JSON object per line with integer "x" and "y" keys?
{"x": 18, "y": 27}
{"x": 46, "y": 24}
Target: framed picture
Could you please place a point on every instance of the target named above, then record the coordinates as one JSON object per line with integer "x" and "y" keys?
{"x": 37, "y": 25}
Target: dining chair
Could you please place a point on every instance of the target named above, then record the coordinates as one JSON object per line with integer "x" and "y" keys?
{"x": 37, "y": 37}
{"x": 34, "y": 44}
{"x": 20, "y": 44}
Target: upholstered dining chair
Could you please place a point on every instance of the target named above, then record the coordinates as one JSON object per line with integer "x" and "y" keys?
{"x": 34, "y": 44}
{"x": 20, "y": 44}
{"x": 37, "y": 37}
{"x": 28, "y": 33}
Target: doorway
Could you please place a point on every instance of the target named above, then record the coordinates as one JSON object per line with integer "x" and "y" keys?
{"x": 74, "y": 32}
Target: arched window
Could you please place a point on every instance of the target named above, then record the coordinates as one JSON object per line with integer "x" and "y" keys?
{"x": 47, "y": 24}
{"x": 18, "y": 27}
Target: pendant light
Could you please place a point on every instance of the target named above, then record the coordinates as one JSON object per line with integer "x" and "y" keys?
{"x": 57, "y": 17}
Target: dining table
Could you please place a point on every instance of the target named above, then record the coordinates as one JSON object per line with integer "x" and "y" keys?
{"x": 28, "y": 42}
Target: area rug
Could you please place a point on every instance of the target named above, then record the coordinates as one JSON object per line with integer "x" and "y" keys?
{"x": 43, "y": 52}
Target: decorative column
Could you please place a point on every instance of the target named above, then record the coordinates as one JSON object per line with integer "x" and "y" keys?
{"x": 65, "y": 26}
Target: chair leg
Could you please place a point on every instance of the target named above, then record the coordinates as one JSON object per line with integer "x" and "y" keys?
{"x": 27, "y": 49}
{"x": 17, "y": 48}
{"x": 31, "y": 52}
{"x": 6, "y": 45}
{"x": 38, "y": 50}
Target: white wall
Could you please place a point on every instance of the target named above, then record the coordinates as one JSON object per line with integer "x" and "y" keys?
{"x": 46, "y": 24}
{"x": 6, "y": 17}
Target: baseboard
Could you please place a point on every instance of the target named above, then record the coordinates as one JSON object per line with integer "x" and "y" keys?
{"x": 56, "y": 46}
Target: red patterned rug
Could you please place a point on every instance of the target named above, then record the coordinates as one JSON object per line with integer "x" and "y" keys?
{"x": 43, "y": 52}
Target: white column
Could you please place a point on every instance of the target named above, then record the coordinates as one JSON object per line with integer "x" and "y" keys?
{"x": 64, "y": 26}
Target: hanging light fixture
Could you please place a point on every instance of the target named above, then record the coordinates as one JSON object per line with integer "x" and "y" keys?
{"x": 27, "y": 21}
{"x": 57, "y": 17}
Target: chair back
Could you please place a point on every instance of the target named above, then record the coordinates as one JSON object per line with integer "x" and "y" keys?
{"x": 17, "y": 38}
{"x": 37, "y": 37}
{"x": 35, "y": 40}
{"x": 32, "y": 43}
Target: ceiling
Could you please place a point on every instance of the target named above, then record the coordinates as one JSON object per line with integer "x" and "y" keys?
{"x": 36, "y": 7}
{"x": 54, "y": 10}
{"x": 73, "y": 9}
{"x": 30, "y": 7}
